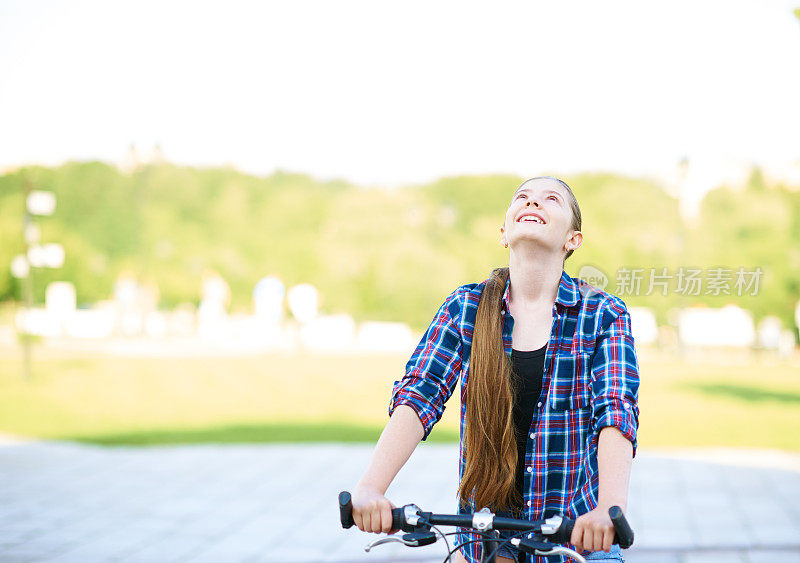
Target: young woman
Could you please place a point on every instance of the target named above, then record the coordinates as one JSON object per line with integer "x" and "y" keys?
{"x": 549, "y": 385}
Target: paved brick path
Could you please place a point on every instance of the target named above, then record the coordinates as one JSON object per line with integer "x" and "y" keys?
{"x": 74, "y": 503}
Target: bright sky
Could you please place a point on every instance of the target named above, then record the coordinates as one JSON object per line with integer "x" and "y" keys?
{"x": 387, "y": 93}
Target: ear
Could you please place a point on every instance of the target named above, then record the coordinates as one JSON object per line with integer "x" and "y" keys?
{"x": 575, "y": 241}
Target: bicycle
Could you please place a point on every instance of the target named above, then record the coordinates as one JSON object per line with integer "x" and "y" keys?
{"x": 418, "y": 524}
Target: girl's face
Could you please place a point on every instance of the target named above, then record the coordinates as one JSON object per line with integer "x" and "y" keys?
{"x": 539, "y": 214}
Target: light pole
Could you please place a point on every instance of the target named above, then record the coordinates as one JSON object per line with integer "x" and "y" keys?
{"x": 27, "y": 284}
{"x": 36, "y": 203}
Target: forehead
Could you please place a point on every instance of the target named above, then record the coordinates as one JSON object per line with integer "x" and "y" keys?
{"x": 543, "y": 185}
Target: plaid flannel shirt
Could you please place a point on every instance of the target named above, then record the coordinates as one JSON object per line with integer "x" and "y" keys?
{"x": 590, "y": 381}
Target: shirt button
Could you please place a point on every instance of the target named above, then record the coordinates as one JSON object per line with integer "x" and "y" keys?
{"x": 530, "y": 469}
{"x": 529, "y": 503}
{"x": 533, "y": 435}
{"x": 539, "y": 404}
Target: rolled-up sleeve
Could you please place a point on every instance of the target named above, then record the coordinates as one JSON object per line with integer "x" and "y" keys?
{"x": 615, "y": 379}
{"x": 433, "y": 369}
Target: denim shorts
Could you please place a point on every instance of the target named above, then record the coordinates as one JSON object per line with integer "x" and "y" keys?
{"x": 514, "y": 553}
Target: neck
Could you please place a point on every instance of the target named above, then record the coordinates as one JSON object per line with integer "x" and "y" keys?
{"x": 535, "y": 275}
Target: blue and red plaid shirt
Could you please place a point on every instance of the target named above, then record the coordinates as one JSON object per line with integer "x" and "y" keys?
{"x": 590, "y": 381}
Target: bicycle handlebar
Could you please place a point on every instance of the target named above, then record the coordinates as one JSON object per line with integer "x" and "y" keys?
{"x": 410, "y": 518}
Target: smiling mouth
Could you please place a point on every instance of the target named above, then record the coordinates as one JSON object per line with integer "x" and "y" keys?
{"x": 531, "y": 219}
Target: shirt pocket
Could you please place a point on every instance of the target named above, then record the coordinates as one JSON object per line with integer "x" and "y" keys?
{"x": 570, "y": 386}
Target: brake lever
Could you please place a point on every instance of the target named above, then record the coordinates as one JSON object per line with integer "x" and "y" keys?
{"x": 563, "y": 551}
{"x": 380, "y": 541}
{"x": 535, "y": 547}
{"x": 410, "y": 540}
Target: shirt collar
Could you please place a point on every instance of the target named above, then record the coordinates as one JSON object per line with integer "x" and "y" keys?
{"x": 567, "y": 294}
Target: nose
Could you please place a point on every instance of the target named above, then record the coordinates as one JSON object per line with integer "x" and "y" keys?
{"x": 536, "y": 203}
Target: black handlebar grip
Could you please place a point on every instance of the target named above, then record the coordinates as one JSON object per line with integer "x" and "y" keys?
{"x": 346, "y": 513}
{"x": 564, "y": 531}
{"x": 397, "y": 519}
{"x": 624, "y": 533}
{"x": 346, "y": 509}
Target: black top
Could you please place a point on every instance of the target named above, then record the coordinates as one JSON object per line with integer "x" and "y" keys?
{"x": 529, "y": 367}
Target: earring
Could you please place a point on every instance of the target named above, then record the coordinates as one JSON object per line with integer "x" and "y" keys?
{"x": 506, "y": 245}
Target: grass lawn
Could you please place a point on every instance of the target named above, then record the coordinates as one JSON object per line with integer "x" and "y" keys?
{"x": 277, "y": 398}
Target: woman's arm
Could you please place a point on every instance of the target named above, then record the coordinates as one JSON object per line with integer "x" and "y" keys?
{"x": 398, "y": 440}
{"x": 372, "y": 511}
{"x": 614, "y": 457}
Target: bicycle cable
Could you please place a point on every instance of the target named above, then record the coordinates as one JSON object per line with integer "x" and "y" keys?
{"x": 507, "y": 541}
{"x": 444, "y": 537}
{"x": 450, "y": 552}
{"x": 456, "y": 548}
